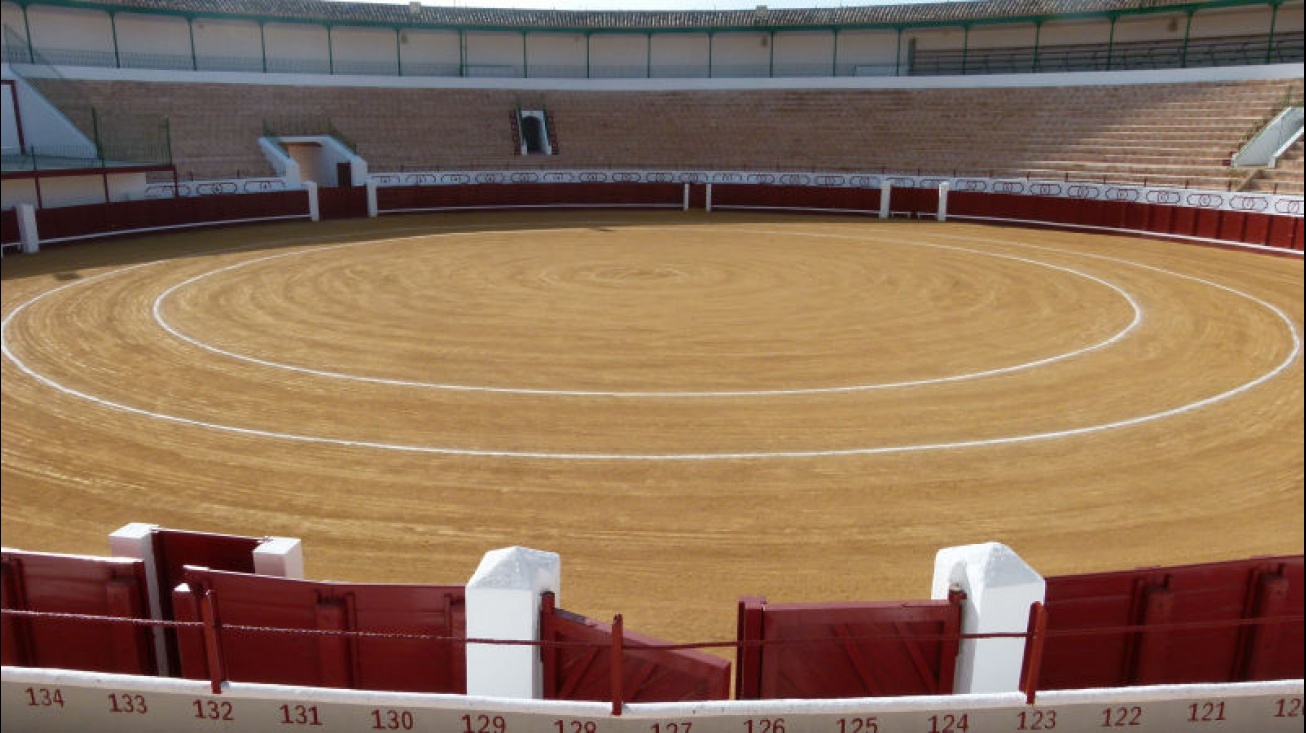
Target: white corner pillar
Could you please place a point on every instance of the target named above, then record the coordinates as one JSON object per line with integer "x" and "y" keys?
{"x": 942, "y": 214}
{"x": 371, "y": 198}
{"x": 136, "y": 540}
{"x": 709, "y": 197}
{"x": 886, "y": 189}
{"x": 684, "y": 205}
{"x": 281, "y": 557}
{"x": 28, "y": 236}
{"x": 503, "y": 603}
{"x": 314, "y": 212}
{"x": 999, "y": 588}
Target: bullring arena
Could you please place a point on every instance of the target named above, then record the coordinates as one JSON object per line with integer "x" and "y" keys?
{"x": 764, "y": 371}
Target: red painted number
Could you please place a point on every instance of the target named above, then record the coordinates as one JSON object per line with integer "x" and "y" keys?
{"x": 127, "y": 703}
{"x": 949, "y": 723}
{"x": 1037, "y": 720}
{"x": 765, "y": 725}
{"x": 681, "y": 727}
{"x": 1206, "y": 712}
{"x": 45, "y": 697}
{"x": 575, "y": 726}
{"x": 392, "y": 720}
{"x": 1288, "y": 707}
{"x": 859, "y": 725}
{"x": 1122, "y": 717}
{"x": 484, "y": 724}
{"x": 299, "y": 715}
{"x": 213, "y": 710}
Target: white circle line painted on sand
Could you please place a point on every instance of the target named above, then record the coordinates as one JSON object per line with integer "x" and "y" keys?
{"x": 157, "y": 310}
{"x": 1294, "y": 354}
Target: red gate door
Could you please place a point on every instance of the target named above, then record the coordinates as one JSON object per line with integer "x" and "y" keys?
{"x": 580, "y": 668}
{"x": 834, "y": 650}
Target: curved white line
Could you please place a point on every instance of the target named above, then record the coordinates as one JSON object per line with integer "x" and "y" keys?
{"x": 157, "y": 310}
{"x": 471, "y": 452}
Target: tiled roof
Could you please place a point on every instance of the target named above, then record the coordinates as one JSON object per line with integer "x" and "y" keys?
{"x": 399, "y": 15}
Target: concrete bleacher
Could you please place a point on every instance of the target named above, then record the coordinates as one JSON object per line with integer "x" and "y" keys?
{"x": 1167, "y": 134}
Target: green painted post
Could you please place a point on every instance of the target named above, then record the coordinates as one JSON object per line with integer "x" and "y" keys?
{"x": 1188, "y": 27}
{"x": 190, "y": 26}
{"x": 263, "y": 45}
{"x": 897, "y": 56}
{"x": 113, "y": 31}
{"x": 525, "y": 60}
{"x": 1111, "y": 42}
{"x": 1038, "y": 34}
{"x": 965, "y": 47}
{"x": 331, "y": 54}
{"x": 399, "y": 54}
{"x": 31, "y": 52}
{"x": 771, "y": 68}
{"x": 1269, "y": 44}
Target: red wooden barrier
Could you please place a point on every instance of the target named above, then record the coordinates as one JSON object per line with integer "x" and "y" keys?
{"x": 492, "y": 195}
{"x": 1208, "y": 623}
{"x": 9, "y": 233}
{"x": 342, "y": 203}
{"x": 405, "y": 638}
{"x": 587, "y": 672}
{"x": 81, "y": 585}
{"x": 727, "y": 195}
{"x": 93, "y": 219}
{"x": 834, "y": 650}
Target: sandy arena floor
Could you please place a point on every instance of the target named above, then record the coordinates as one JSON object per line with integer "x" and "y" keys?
{"x": 688, "y": 407}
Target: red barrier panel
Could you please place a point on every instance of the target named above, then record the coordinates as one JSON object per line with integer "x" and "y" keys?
{"x": 491, "y": 195}
{"x": 1187, "y": 624}
{"x": 582, "y": 668}
{"x": 837, "y": 650}
{"x": 91, "y": 219}
{"x": 410, "y": 638}
{"x": 1232, "y": 226}
{"x": 81, "y": 585}
{"x": 9, "y": 233}
{"x": 1207, "y": 223}
{"x": 726, "y": 195}
{"x": 342, "y": 203}
{"x": 1286, "y": 232}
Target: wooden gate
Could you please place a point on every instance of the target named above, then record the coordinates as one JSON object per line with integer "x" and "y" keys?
{"x": 578, "y": 664}
{"x": 835, "y": 650}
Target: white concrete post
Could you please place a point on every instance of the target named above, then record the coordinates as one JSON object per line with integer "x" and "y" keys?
{"x": 136, "y": 540}
{"x": 942, "y": 214}
{"x": 885, "y": 189}
{"x": 27, "y": 234}
{"x": 709, "y": 197}
{"x": 999, "y": 588}
{"x": 282, "y": 557}
{"x": 684, "y": 206}
{"x": 314, "y": 212}
{"x": 371, "y": 198}
{"x": 503, "y": 602}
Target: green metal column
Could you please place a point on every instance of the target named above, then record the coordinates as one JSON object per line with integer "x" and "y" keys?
{"x": 113, "y": 31}
{"x": 331, "y": 54}
{"x": 263, "y": 45}
{"x": 462, "y": 52}
{"x": 648, "y": 56}
{"x": 190, "y": 26}
{"x": 1188, "y": 27}
{"x": 399, "y": 54}
{"x": 897, "y": 55}
{"x": 834, "y": 60}
{"x": 965, "y": 48}
{"x": 588, "y": 36}
{"x": 1269, "y": 45}
{"x": 710, "y": 36}
{"x": 1038, "y": 35}
{"x": 1111, "y": 42}
{"x": 31, "y": 52}
{"x": 525, "y": 62}
{"x": 771, "y": 67}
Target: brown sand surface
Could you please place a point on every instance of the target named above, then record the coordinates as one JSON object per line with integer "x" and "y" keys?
{"x": 687, "y": 407}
